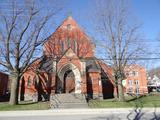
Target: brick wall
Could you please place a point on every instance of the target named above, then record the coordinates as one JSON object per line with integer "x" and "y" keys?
{"x": 68, "y": 35}
{"x": 3, "y": 83}
{"x": 136, "y": 80}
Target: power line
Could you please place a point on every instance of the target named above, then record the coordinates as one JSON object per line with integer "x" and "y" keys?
{"x": 153, "y": 58}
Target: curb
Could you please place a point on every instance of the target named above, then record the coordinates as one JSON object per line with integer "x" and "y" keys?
{"x": 75, "y": 112}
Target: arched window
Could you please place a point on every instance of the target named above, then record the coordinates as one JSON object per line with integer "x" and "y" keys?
{"x": 62, "y": 47}
{"x": 29, "y": 82}
{"x": 34, "y": 81}
{"x": 75, "y": 46}
{"x": 68, "y": 26}
{"x": 69, "y": 43}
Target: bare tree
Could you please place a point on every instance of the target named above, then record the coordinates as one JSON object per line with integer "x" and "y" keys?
{"x": 22, "y": 29}
{"x": 121, "y": 39}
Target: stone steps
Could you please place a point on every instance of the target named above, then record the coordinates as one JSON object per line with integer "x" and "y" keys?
{"x": 68, "y": 101}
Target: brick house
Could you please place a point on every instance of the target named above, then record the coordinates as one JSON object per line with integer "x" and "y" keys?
{"x": 136, "y": 80}
{"x": 3, "y": 83}
{"x": 68, "y": 65}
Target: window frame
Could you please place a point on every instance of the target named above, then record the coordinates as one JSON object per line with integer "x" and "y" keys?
{"x": 69, "y": 42}
{"x": 136, "y": 82}
{"x": 62, "y": 46}
{"x": 130, "y": 82}
{"x": 75, "y": 46}
{"x": 68, "y": 26}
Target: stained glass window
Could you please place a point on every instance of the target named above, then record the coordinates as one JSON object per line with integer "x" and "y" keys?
{"x": 75, "y": 46}
{"x": 62, "y": 46}
{"x": 29, "y": 82}
{"x": 69, "y": 43}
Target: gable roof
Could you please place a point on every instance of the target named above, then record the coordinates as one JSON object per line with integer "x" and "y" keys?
{"x": 92, "y": 66}
{"x": 63, "y": 28}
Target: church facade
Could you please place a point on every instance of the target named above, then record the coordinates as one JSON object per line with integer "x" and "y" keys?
{"x": 68, "y": 65}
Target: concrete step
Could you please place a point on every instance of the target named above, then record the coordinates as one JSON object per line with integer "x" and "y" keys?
{"x": 69, "y": 98}
{"x": 68, "y": 101}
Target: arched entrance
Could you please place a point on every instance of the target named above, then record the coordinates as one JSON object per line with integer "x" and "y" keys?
{"x": 69, "y": 79}
{"x": 69, "y": 82}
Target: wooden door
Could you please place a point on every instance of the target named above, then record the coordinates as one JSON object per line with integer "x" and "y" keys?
{"x": 69, "y": 82}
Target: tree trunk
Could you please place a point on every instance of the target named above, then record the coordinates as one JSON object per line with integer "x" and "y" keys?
{"x": 116, "y": 93}
{"x": 15, "y": 78}
{"x": 120, "y": 91}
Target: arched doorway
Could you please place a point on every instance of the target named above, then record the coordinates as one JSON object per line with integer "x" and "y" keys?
{"x": 69, "y": 79}
{"x": 69, "y": 82}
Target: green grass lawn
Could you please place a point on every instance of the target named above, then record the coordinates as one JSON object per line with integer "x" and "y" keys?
{"x": 24, "y": 106}
{"x": 143, "y": 101}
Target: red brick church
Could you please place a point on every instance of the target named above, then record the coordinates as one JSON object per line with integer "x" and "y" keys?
{"x": 68, "y": 65}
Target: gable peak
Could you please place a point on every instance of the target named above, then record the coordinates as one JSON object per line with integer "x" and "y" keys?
{"x": 69, "y": 17}
{"x": 69, "y": 21}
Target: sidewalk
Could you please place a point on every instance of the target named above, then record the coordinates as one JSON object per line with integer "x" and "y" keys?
{"x": 75, "y": 111}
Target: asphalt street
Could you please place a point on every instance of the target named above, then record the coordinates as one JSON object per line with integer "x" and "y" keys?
{"x": 90, "y": 114}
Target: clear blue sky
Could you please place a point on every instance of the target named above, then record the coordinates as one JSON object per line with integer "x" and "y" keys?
{"x": 147, "y": 12}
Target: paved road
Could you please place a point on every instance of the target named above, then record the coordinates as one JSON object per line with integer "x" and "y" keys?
{"x": 90, "y": 114}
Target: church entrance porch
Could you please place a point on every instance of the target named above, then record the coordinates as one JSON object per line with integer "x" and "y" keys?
{"x": 69, "y": 79}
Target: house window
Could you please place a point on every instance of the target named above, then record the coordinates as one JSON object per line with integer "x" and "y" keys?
{"x": 29, "y": 82}
{"x": 130, "y": 82}
{"x": 137, "y": 82}
{"x": 133, "y": 73}
{"x": 127, "y": 74}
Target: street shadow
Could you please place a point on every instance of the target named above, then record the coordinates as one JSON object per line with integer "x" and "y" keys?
{"x": 135, "y": 114}
{"x": 139, "y": 112}
{"x": 135, "y": 98}
{"x": 28, "y": 103}
{"x": 155, "y": 115}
